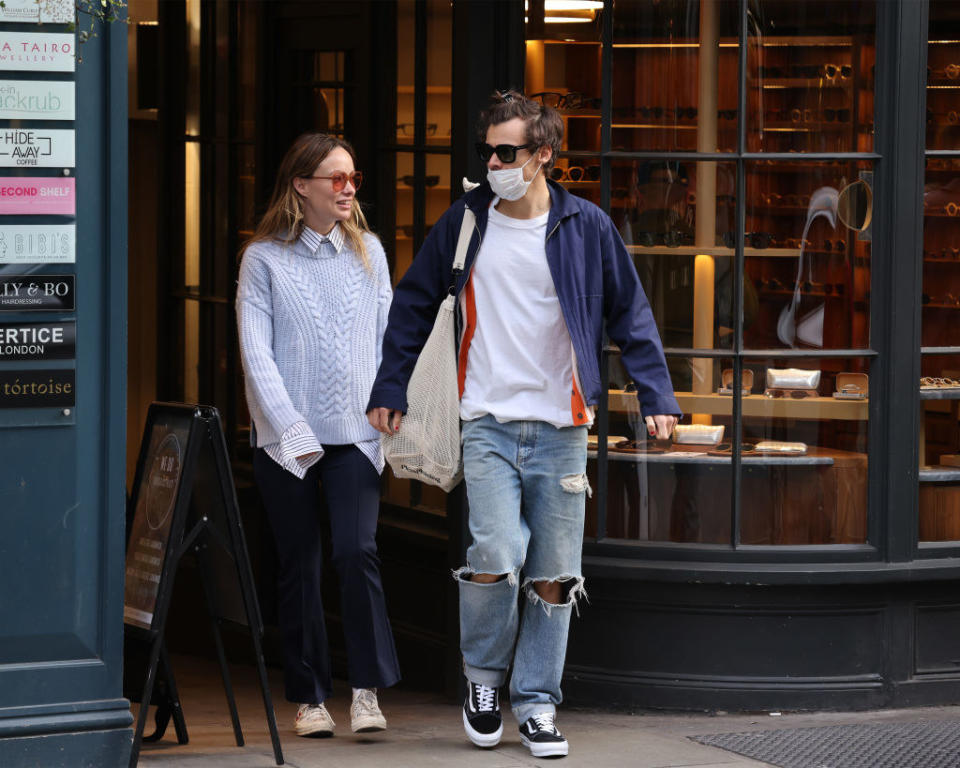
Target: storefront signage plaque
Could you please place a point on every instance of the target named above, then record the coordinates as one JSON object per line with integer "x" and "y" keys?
{"x": 37, "y": 51}
{"x": 49, "y": 11}
{"x": 38, "y": 243}
{"x": 38, "y": 341}
{"x": 38, "y": 389}
{"x": 37, "y": 100}
{"x": 36, "y": 195}
{"x": 49, "y": 293}
{"x": 36, "y": 148}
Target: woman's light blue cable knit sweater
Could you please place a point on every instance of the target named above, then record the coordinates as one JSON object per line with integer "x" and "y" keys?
{"x": 311, "y": 322}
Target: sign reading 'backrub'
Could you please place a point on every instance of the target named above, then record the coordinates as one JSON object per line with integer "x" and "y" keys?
{"x": 36, "y": 389}
{"x": 37, "y": 100}
{"x": 37, "y": 196}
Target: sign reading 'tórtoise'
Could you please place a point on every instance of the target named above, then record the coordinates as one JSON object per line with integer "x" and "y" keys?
{"x": 37, "y": 100}
{"x": 36, "y": 389}
{"x": 38, "y": 341}
{"x": 49, "y": 293}
{"x": 38, "y": 243}
{"x": 34, "y": 195}
{"x": 37, "y": 51}
{"x": 37, "y": 148}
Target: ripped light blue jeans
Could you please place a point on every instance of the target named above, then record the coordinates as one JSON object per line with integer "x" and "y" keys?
{"x": 527, "y": 486}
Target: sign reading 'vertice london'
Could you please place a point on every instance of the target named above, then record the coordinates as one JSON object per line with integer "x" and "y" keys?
{"x": 38, "y": 341}
{"x": 38, "y": 243}
{"x": 35, "y": 195}
{"x": 37, "y": 100}
{"x": 37, "y": 148}
{"x": 37, "y": 51}
{"x": 50, "y": 11}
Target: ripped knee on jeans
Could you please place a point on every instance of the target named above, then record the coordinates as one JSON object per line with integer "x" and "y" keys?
{"x": 466, "y": 573}
{"x": 576, "y": 483}
{"x": 571, "y": 589}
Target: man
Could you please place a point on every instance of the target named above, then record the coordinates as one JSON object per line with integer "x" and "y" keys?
{"x": 543, "y": 271}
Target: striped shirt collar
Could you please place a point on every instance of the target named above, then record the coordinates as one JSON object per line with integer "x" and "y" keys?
{"x": 314, "y": 240}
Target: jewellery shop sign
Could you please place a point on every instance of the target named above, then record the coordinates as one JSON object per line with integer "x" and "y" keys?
{"x": 48, "y": 293}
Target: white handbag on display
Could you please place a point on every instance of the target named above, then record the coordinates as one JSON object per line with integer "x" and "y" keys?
{"x": 427, "y": 445}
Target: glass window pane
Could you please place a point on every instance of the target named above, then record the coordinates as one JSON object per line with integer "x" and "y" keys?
{"x": 810, "y": 92}
{"x": 808, "y": 255}
{"x": 675, "y": 76}
{"x": 675, "y": 490}
{"x": 438, "y": 188}
{"x": 406, "y": 57}
{"x": 403, "y": 257}
{"x": 439, "y": 70}
{"x": 248, "y": 20}
{"x": 562, "y": 70}
{"x": 943, "y": 76}
{"x": 804, "y": 471}
{"x": 192, "y": 86}
{"x": 941, "y": 254}
{"x": 939, "y": 444}
{"x": 671, "y": 216}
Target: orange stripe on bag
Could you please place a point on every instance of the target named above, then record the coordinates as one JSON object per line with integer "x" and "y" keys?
{"x": 468, "y": 330}
{"x": 577, "y": 407}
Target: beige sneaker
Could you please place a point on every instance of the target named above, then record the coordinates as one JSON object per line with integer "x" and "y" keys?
{"x": 365, "y": 714}
{"x": 314, "y": 720}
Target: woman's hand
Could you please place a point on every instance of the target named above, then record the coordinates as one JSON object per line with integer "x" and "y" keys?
{"x": 661, "y": 426}
{"x": 384, "y": 420}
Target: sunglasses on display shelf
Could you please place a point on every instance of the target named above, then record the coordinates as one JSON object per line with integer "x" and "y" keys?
{"x": 827, "y": 289}
{"x": 408, "y": 129}
{"x": 802, "y": 115}
{"x": 772, "y": 284}
{"x": 339, "y": 179}
{"x": 796, "y": 242}
{"x": 571, "y": 100}
{"x": 506, "y": 153}
{"x": 727, "y": 114}
{"x": 758, "y": 240}
{"x": 727, "y": 447}
{"x": 794, "y": 394}
{"x": 939, "y": 381}
{"x": 840, "y": 115}
{"x": 575, "y": 173}
{"x": 830, "y": 245}
{"x": 951, "y": 209}
{"x": 951, "y": 72}
{"x": 833, "y": 71}
{"x": 655, "y": 112}
{"x": 672, "y": 239}
{"x": 409, "y": 179}
{"x": 685, "y": 112}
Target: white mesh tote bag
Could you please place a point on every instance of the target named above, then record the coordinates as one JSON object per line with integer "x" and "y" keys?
{"x": 427, "y": 445}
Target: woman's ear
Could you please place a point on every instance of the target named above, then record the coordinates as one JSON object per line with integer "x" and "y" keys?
{"x": 299, "y": 186}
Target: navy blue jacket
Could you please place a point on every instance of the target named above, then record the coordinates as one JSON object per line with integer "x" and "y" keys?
{"x": 595, "y": 280}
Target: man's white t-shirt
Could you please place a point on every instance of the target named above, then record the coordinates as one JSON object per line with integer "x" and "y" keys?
{"x": 520, "y": 361}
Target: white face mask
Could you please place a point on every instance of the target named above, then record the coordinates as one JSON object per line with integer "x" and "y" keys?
{"x": 508, "y": 183}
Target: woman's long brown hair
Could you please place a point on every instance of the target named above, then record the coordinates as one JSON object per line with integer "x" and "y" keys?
{"x": 283, "y": 221}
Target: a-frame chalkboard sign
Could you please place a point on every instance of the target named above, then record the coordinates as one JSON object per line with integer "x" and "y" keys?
{"x": 183, "y": 501}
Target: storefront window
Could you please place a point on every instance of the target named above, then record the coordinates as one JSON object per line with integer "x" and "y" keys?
{"x": 939, "y": 438}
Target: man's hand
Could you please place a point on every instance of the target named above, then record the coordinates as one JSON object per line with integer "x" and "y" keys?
{"x": 661, "y": 426}
{"x": 384, "y": 420}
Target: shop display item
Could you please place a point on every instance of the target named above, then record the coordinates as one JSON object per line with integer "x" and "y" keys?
{"x": 780, "y": 447}
{"x": 792, "y": 378}
{"x": 726, "y": 382}
{"x": 939, "y": 382}
{"x": 726, "y": 449}
{"x": 852, "y": 386}
{"x": 593, "y": 441}
{"x": 637, "y": 446}
{"x": 697, "y": 434}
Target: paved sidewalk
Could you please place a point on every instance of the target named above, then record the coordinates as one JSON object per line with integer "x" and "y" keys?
{"x": 426, "y": 730}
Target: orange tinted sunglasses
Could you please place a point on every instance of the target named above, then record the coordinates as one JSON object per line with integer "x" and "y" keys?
{"x": 340, "y": 179}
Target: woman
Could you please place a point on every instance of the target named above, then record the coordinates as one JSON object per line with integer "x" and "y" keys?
{"x": 312, "y": 305}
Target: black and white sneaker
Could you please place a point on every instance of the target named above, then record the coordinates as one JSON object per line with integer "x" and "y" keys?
{"x": 481, "y": 715}
{"x": 541, "y": 736}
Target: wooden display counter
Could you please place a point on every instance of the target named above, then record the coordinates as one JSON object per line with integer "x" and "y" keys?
{"x": 819, "y": 498}
{"x": 755, "y": 406}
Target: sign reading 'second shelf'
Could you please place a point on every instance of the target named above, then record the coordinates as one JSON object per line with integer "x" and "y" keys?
{"x": 38, "y": 341}
{"x": 37, "y": 51}
{"x": 36, "y": 389}
{"x": 35, "y": 195}
{"x": 38, "y": 243}
{"x": 37, "y": 100}
{"x": 37, "y": 148}
{"x": 51, "y": 11}
{"x": 50, "y": 293}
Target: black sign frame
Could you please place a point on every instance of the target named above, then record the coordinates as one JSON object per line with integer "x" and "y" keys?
{"x": 15, "y": 297}
{"x": 20, "y": 350}
{"x": 197, "y": 531}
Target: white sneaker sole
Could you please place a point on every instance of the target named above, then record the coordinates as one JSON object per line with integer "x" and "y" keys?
{"x": 314, "y": 732}
{"x": 560, "y": 749}
{"x": 483, "y": 740}
{"x": 370, "y": 724}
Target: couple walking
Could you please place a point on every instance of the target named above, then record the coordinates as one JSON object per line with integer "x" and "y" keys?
{"x": 328, "y": 351}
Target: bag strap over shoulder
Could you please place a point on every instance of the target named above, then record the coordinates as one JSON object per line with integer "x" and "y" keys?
{"x": 463, "y": 242}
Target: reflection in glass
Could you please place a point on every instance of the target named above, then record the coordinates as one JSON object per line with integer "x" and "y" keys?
{"x": 675, "y": 490}
{"x": 808, "y": 254}
{"x": 939, "y": 444}
{"x": 675, "y": 76}
{"x": 811, "y": 92}
{"x": 943, "y": 76}
{"x": 804, "y": 468}
{"x": 941, "y": 258}
{"x": 672, "y": 216}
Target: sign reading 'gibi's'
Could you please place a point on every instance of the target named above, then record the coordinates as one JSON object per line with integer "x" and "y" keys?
{"x": 37, "y": 196}
{"x": 37, "y": 100}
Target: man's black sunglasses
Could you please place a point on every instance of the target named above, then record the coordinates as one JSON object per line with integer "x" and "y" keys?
{"x": 506, "y": 152}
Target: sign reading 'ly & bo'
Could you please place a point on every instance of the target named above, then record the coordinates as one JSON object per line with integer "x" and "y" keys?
{"x": 37, "y": 100}
{"x": 36, "y": 195}
{"x": 37, "y": 52}
{"x": 50, "y": 293}
{"x": 38, "y": 341}
{"x": 38, "y": 243}
{"x": 37, "y": 148}
{"x": 32, "y": 389}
